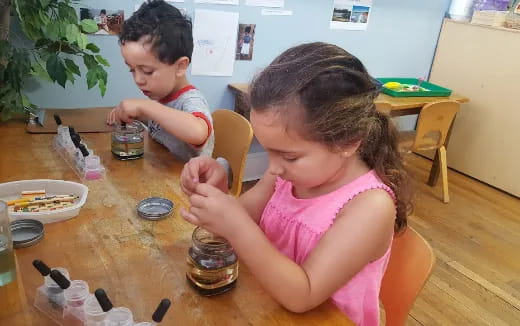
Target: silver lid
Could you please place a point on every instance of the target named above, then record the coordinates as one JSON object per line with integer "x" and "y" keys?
{"x": 154, "y": 208}
{"x": 26, "y": 232}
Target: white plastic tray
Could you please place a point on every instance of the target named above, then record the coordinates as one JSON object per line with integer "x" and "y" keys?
{"x": 12, "y": 190}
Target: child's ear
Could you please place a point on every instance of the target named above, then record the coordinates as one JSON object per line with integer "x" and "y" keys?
{"x": 349, "y": 150}
{"x": 182, "y": 65}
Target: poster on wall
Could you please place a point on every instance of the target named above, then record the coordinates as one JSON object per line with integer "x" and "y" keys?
{"x": 214, "y": 40}
{"x": 350, "y": 14}
{"x": 245, "y": 42}
{"x": 108, "y": 21}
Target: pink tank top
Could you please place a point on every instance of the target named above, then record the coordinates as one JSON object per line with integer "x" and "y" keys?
{"x": 295, "y": 226}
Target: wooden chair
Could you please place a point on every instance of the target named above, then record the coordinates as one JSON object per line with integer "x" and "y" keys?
{"x": 233, "y": 135}
{"x": 431, "y": 133}
{"x": 410, "y": 266}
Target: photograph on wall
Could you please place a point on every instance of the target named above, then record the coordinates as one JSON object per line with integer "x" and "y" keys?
{"x": 350, "y": 14}
{"x": 245, "y": 41}
{"x": 108, "y": 21}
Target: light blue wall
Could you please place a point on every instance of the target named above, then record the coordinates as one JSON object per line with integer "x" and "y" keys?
{"x": 400, "y": 41}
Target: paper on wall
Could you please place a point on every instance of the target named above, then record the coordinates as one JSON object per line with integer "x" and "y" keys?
{"x": 214, "y": 38}
{"x": 219, "y": 2}
{"x": 276, "y": 12}
{"x": 266, "y": 3}
{"x": 351, "y": 14}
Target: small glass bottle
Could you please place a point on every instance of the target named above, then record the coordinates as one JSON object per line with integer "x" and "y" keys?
{"x": 128, "y": 141}
{"x": 213, "y": 263}
{"x": 7, "y": 264}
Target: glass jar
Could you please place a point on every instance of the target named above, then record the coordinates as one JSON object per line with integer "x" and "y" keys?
{"x": 7, "y": 264}
{"x": 213, "y": 263}
{"x": 128, "y": 141}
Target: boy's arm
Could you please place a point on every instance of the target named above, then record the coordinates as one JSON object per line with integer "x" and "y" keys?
{"x": 183, "y": 125}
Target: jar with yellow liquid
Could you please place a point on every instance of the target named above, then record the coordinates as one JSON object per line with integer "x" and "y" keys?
{"x": 213, "y": 264}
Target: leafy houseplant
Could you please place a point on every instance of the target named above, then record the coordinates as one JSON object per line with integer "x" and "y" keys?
{"x": 56, "y": 37}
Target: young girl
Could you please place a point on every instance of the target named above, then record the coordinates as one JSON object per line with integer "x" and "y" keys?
{"x": 320, "y": 222}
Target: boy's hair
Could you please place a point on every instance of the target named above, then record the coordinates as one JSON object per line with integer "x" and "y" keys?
{"x": 164, "y": 26}
{"x": 247, "y": 29}
{"x": 336, "y": 94}
{"x": 103, "y": 11}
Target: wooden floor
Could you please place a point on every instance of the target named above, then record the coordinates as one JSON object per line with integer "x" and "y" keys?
{"x": 476, "y": 239}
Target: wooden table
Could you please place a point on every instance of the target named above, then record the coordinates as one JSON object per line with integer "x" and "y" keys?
{"x": 395, "y": 106}
{"x": 137, "y": 262}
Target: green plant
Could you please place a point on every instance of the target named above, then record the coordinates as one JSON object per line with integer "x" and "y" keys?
{"x": 56, "y": 37}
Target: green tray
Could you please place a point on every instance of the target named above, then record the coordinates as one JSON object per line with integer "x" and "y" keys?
{"x": 434, "y": 90}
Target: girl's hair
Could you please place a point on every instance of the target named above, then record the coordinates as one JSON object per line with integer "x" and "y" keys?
{"x": 337, "y": 95}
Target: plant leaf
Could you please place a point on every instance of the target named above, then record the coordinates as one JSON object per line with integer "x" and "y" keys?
{"x": 102, "y": 87}
{"x": 53, "y": 31}
{"x": 89, "y": 26}
{"x": 72, "y": 33}
{"x": 72, "y": 67}
{"x": 102, "y": 60}
{"x": 45, "y": 3}
{"x": 82, "y": 41}
{"x": 40, "y": 72}
{"x": 56, "y": 70}
{"x": 89, "y": 61}
{"x": 92, "y": 78}
{"x": 92, "y": 47}
{"x": 44, "y": 18}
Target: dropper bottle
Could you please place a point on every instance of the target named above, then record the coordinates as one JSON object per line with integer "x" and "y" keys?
{"x": 49, "y": 297}
{"x": 75, "y": 293}
{"x": 96, "y": 308}
{"x": 158, "y": 315}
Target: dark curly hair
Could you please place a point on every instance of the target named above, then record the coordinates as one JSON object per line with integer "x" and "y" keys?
{"x": 164, "y": 26}
{"x": 336, "y": 96}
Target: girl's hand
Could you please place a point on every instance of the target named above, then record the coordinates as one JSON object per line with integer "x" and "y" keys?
{"x": 215, "y": 211}
{"x": 203, "y": 169}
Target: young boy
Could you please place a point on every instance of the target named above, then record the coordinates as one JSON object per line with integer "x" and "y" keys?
{"x": 157, "y": 43}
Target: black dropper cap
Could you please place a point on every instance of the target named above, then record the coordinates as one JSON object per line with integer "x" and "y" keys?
{"x": 83, "y": 150}
{"x": 60, "y": 279}
{"x": 41, "y": 267}
{"x": 76, "y": 140}
{"x": 103, "y": 300}
{"x": 57, "y": 119}
{"x": 161, "y": 310}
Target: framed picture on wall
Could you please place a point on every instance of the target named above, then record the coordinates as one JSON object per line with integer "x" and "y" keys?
{"x": 108, "y": 21}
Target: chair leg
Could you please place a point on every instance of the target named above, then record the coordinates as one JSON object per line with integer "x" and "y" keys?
{"x": 444, "y": 172}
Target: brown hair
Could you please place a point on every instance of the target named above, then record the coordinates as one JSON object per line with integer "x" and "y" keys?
{"x": 337, "y": 95}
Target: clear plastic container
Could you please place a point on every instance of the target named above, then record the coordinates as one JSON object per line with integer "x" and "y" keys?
{"x": 94, "y": 315}
{"x": 50, "y": 298}
{"x": 75, "y": 297}
{"x": 119, "y": 317}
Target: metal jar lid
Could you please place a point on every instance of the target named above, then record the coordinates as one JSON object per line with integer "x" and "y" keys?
{"x": 26, "y": 232}
{"x": 154, "y": 208}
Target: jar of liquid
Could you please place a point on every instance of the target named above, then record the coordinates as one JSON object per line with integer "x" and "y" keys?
{"x": 128, "y": 141}
{"x": 213, "y": 265}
